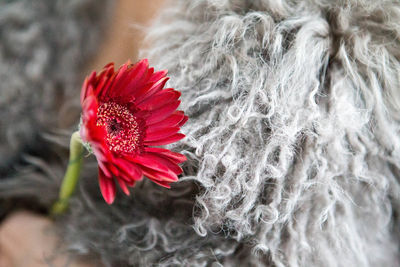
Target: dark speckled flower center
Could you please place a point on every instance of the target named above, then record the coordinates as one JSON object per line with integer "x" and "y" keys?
{"x": 123, "y": 129}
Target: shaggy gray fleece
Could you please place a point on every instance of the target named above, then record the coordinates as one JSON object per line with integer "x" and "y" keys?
{"x": 293, "y": 142}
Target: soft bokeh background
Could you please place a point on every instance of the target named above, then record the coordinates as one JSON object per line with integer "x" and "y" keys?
{"x": 125, "y": 33}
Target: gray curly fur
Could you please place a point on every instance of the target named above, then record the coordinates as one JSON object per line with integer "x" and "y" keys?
{"x": 44, "y": 45}
{"x": 293, "y": 142}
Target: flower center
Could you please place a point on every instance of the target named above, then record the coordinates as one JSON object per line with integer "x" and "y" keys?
{"x": 123, "y": 131}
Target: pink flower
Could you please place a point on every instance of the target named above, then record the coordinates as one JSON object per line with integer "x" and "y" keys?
{"x": 125, "y": 114}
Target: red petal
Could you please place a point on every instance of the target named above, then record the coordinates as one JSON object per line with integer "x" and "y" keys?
{"x": 182, "y": 122}
{"x": 103, "y": 94}
{"x": 158, "y": 100}
{"x": 162, "y": 113}
{"x": 85, "y": 86}
{"x": 162, "y": 183}
{"x": 156, "y": 87}
{"x": 173, "y": 156}
{"x": 112, "y": 168}
{"x": 173, "y": 120}
{"x": 107, "y": 187}
{"x": 169, "y": 140}
{"x": 138, "y": 73}
{"x": 158, "y": 134}
{"x": 168, "y": 163}
{"x": 154, "y": 175}
{"x": 104, "y": 168}
{"x": 158, "y": 75}
{"x": 130, "y": 183}
{"x": 124, "y": 90}
{"x": 116, "y": 88}
{"x": 148, "y": 161}
{"x": 105, "y": 77}
{"x": 146, "y": 77}
{"x": 123, "y": 186}
{"x": 89, "y": 109}
{"x": 131, "y": 170}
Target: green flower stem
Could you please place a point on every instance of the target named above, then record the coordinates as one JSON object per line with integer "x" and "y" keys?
{"x": 71, "y": 175}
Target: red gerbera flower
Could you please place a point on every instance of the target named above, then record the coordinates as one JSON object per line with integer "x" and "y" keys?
{"x": 125, "y": 113}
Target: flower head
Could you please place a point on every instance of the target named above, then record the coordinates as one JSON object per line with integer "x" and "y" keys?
{"x": 125, "y": 114}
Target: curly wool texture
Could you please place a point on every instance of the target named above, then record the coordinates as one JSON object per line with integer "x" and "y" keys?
{"x": 44, "y": 46}
{"x": 293, "y": 142}
{"x": 294, "y": 128}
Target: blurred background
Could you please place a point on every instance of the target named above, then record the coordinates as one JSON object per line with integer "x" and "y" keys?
{"x": 125, "y": 31}
{"x": 47, "y": 47}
